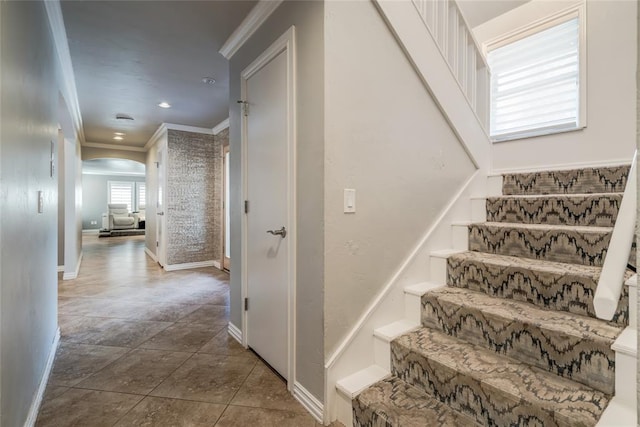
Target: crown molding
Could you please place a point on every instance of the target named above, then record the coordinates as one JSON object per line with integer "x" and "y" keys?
{"x": 113, "y": 147}
{"x": 184, "y": 128}
{"x": 70, "y": 92}
{"x": 254, "y": 19}
{"x": 221, "y": 126}
{"x": 156, "y": 136}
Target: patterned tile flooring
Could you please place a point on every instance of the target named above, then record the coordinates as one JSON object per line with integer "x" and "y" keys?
{"x": 145, "y": 347}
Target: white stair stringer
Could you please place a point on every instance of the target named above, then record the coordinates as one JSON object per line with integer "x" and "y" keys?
{"x": 622, "y": 410}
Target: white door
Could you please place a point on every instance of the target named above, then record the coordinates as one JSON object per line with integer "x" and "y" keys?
{"x": 267, "y": 189}
{"x": 226, "y": 240}
{"x": 160, "y": 222}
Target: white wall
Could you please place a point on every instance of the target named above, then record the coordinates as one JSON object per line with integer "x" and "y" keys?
{"x": 73, "y": 207}
{"x": 152, "y": 192}
{"x": 28, "y": 280}
{"x": 611, "y": 89}
{"x": 386, "y": 138}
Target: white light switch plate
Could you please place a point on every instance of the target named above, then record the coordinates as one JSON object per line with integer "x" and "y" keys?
{"x": 349, "y": 200}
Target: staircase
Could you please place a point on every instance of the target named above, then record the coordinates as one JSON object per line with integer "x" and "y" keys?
{"x": 513, "y": 339}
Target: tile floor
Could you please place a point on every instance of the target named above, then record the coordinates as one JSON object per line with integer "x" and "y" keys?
{"x": 144, "y": 347}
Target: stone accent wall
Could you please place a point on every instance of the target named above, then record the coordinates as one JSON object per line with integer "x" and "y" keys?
{"x": 193, "y": 197}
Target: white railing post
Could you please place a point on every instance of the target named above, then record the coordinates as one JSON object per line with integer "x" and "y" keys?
{"x": 611, "y": 280}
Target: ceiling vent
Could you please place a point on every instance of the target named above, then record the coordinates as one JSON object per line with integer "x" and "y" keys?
{"x": 121, "y": 116}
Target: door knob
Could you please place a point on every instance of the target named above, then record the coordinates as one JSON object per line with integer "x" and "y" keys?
{"x": 282, "y": 232}
{"x": 160, "y": 213}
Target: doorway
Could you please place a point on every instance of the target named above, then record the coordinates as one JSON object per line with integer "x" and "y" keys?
{"x": 161, "y": 243}
{"x": 269, "y": 232}
{"x": 226, "y": 216}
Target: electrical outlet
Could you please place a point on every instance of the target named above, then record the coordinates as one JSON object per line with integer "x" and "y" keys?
{"x": 94, "y": 222}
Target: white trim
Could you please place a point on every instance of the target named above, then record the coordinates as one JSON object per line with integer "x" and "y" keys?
{"x": 61, "y": 269}
{"x": 217, "y": 265}
{"x": 115, "y": 173}
{"x": 150, "y": 254}
{"x": 185, "y": 128}
{"x": 162, "y": 129}
{"x": 235, "y": 332}
{"x": 71, "y": 276}
{"x": 188, "y": 265}
{"x": 37, "y": 399}
{"x": 249, "y": 25}
{"x": 285, "y": 43}
{"x": 91, "y": 231}
{"x": 113, "y": 147}
{"x": 56, "y": 22}
{"x": 220, "y": 126}
{"x": 563, "y": 166}
{"x": 308, "y": 401}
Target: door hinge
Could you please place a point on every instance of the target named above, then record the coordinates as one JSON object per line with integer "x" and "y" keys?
{"x": 157, "y": 244}
{"x": 157, "y": 164}
{"x": 246, "y": 304}
{"x": 245, "y": 107}
{"x": 246, "y": 206}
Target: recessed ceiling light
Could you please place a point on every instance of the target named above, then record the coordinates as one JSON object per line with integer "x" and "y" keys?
{"x": 208, "y": 80}
{"x": 118, "y": 138}
{"x": 164, "y": 105}
{"x": 119, "y": 133}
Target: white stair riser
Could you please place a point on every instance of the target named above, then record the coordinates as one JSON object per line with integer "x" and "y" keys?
{"x": 438, "y": 270}
{"x": 345, "y": 412}
{"x": 382, "y": 353}
{"x": 412, "y": 307}
{"x": 494, "y": 186}
{"x": 626, "y": 373}
{"x": 478, "y": 210}
{"x": 460, "y": 237}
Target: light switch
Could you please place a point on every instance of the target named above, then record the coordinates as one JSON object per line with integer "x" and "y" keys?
{"x": 349, "y": 200}
{"x": 40, "y": 202}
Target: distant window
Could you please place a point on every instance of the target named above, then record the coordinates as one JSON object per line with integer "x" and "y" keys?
{"x": 536, "y": 79}
{"x": 121, "y": 192}
{"x": 141, "y": 198}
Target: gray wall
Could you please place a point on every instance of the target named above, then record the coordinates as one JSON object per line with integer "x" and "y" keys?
{"x": 28, "y": 283}
{"x": 60, "y": 171}
{"x": 193, "y": 197}
{"x": 308, "y": 18}
{"x": 95, "y": 197}
{"x": 90, "y": 153}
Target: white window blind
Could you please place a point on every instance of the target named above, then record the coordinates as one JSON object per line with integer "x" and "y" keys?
{"x": 141, "y": 195}
{"x": 121, "y": 192}
{"x": 535, "y": 83}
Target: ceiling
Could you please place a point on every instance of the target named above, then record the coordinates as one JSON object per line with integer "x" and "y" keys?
{"x": 478, "y": 12}
{"x": 128, "y": 56}
{"x": 112, "y": 167}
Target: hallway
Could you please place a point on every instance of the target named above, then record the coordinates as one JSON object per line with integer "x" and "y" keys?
{"x": 143, "y": 347}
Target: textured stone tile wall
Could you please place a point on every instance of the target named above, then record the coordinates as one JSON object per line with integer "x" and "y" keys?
{"x": 193, "y": 197}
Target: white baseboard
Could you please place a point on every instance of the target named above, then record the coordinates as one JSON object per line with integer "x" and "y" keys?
{"x": 217, "y": 265}
{"x": 37, "y": 399}
{"x": 309, "y": 401}
{"x": 235, "y": 332}
{"x": 61, "y": 269}
{"x": 73, "y": 275}
{"x": 151, "y": 254}
{"x": 188, "y": 265}
{"x": 91, "y": 231}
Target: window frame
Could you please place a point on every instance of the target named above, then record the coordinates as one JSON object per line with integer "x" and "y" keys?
{"x": 138, "y": 185}
{"x": 110, "y": 183}
{"x": 578, "y": 11}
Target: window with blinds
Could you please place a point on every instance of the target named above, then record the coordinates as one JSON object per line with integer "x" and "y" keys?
{"x": 121, "y": 192}
{"x": 141, "y": 195}
{"x": 535, "y": 82}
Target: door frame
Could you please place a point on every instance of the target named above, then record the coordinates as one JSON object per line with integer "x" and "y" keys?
{"x": 161, "y": 223}
{"x": 285, "y": 43}
{"x": 225, "y": 263}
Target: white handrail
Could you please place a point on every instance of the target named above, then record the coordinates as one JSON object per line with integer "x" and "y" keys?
{"x": 607, "y": 296}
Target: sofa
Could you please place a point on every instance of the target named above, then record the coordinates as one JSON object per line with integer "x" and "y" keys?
{"x": 120, "y": 218}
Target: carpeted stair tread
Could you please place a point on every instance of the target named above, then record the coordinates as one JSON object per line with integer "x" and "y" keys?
{"x": 394, "y": 403}
{"x": 599, "y": 209}
{"x": 548, "y": 285}
{"x": 559, "y": 243}
{"x": 572, "y": 346}
{"x": 491, "y": 388}
{"x": 575, "y": 181}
